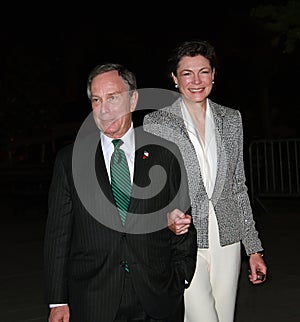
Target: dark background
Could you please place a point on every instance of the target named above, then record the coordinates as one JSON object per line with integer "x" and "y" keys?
{"x": 47, "y": 52}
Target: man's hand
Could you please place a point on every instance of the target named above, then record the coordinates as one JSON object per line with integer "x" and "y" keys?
{"x": 179, "y": 222}
{"x": 59, "y": 314}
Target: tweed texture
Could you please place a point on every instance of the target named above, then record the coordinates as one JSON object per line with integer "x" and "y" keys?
{"x": 230, "y": 197}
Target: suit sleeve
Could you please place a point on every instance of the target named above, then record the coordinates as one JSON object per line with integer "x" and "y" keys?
{"x": 184, "y": 247}
{"x": 58, "y": 234}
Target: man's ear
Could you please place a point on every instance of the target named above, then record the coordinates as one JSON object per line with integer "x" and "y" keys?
{"x": 133, "y": 100}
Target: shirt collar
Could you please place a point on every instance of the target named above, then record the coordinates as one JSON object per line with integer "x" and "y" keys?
{"x": 189, "y": 121}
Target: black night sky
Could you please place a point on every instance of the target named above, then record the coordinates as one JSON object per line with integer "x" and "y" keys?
{"x": 47, "y": 52}
{"x": 46, "y": 58}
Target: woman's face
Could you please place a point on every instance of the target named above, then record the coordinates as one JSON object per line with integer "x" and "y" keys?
{"x": 194, "y": 78}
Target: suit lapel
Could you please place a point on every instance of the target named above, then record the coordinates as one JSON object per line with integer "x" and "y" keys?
{"x": 218, "y": 114}
{"x": 139, "y": 169}
{"x": 101, "y": 173}
{"x": 190, "y": 159}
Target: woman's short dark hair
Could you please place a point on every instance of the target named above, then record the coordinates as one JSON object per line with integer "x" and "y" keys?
{"x": 191, "y": 48}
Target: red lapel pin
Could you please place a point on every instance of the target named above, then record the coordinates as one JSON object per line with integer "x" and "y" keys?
{"x": 145, "y": 155}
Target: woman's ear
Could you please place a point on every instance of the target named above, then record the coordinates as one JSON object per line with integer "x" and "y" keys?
{"x": 213, "y": 74}
{"x": 174, "y": 80}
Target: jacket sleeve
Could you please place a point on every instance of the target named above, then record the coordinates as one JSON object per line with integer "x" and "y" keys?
{"x": 250, "y": 237}
{"x": 184, "y": 247}
{"x": 184, "y": 255}
{"x": 58, "y": 234}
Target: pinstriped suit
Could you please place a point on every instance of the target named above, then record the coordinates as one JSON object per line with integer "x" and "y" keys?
{"x": 229, "y": 198}
{"x": 84, "y": 256}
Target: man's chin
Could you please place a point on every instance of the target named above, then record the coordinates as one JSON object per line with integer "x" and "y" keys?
{"x": 109, "y": 130}
{"x": 107, "y": 126}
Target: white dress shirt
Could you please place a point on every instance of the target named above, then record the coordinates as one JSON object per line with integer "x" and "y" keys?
{"x": 206, "y": 150}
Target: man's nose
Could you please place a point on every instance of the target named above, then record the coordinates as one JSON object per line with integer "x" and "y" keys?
{"x": 104, "y": 107}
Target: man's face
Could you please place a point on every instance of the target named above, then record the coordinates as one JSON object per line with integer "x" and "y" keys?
{"x": 112, "y": 105}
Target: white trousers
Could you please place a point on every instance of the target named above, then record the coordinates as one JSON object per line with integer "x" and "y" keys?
{"x": 211, "y": 296}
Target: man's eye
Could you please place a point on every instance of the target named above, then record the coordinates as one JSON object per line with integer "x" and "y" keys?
{"x": 95, "y": 100}
{"x": 114, "y": 98}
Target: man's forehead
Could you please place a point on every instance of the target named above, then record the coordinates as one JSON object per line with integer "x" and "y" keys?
{"x": 105, "y": 84}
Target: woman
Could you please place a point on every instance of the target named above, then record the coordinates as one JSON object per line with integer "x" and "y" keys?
{"x": 210, "y": 137}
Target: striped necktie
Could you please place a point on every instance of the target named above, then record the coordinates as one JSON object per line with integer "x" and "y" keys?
{"x": 120, "y": 179}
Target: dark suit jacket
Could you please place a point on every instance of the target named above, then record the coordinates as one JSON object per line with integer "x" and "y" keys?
{"x": 86, "y": 245}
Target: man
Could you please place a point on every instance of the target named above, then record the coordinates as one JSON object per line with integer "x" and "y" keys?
{"x": 99, "y": 266}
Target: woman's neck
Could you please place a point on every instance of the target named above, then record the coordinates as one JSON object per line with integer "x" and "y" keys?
{"x": 197, "y": 111}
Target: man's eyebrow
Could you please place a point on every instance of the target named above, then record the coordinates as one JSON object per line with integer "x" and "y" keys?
{"x": 109, "y": 93}
{"x": 114, "y": 93}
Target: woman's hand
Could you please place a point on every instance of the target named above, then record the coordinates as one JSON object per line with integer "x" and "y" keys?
{"x": 179, "y": 222}
{"x": 258, "y": 269}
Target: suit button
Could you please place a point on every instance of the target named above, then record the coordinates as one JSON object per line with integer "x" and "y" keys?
{"x": 123, "y": 235}
{"x": 122, "y": 263}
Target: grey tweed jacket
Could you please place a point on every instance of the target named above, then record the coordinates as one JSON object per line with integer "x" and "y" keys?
{"x": 230, "y": 196}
